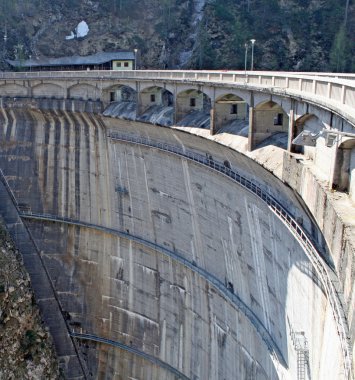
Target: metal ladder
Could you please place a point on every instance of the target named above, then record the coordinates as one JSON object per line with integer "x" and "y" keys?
{"x": 301, "y": 347}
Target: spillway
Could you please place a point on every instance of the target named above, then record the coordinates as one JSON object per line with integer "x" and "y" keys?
{"x": 159, "y": 261}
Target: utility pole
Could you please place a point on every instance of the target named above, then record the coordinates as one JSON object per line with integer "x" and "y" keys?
{"x": 252, "y": 54}
{"x": 246, "y": 60}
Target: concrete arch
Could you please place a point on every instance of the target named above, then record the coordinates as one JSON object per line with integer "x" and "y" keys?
{"x": 344, "y": 176}
{"x": 242, "y": 94}
{"x": 119, "y": 93}
{"x": 121, "y": 101}
{"x": 320, "y": 153}
{"x": 155, "y": 96}
{"x": 229, "y": 97}
{"x": 269, "y": 124}
{"x": 84, "y": 91}
{"x": 307, "y": 122}
{"x": 156, "y": 105}
{"x": 12, "y": 89}
{"x": 48, "y": 90}
{"x": 228, "y": 108}
{"x": 166, "y": 86}
{"x": 191, "y": 101}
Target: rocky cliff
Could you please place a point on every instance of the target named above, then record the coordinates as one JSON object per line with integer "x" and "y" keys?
{"x": 26, "y": 350}
{"x": 290, "y": 34}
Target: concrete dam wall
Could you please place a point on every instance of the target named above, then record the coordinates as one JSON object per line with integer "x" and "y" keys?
{"x": 161, "y": 266}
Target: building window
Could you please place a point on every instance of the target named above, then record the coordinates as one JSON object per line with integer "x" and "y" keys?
{"x": 152, "y": 98}
{"x": 234, "y": 109}
{"x": 112, "y": 96}
{"x": 192, "y": 102}
{"x": 126, "y": 64}
{"x": 118, "y": 64}
{"x": 278, "y": 119}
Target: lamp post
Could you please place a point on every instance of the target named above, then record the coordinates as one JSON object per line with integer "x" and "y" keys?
{"x": 246, "y": 59}
{"x": 252, "y": 54}
{"x": 135, "y": 58}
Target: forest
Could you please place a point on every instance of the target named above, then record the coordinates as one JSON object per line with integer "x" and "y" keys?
{"x": 300, "y": 35}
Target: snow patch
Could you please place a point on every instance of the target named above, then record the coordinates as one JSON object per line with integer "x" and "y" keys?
{"x": 80, "y": 31}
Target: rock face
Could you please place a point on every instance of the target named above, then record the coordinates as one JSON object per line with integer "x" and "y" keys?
{"x": 290, "y": 35}
{"x": 26, "y": 350}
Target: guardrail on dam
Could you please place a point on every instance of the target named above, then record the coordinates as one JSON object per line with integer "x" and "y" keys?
{"x": 169, "y": 254}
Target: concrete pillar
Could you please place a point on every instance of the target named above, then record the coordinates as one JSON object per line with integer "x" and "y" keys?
{"x": 213, "y": 130}
{"x": 291, "y": 129}
{"x": 251, "y": 129}
{"x": 29, "y": 91}
{"x": 175, "y": 105}
{"x": 140, "y": 107}
{"x": 333, "y": 167}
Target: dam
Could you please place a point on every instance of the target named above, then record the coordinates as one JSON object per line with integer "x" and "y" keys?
{"x": 177, "y": 251}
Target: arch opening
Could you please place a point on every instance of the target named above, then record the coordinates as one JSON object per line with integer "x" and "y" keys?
{"x": 193, "y": 109}
{"x": 121, "y": 101}
{"x": 269, "y": 125}
{"x": 84, "y": 91}
{"x": 230, "y": 115}
{"x": 344, "y": 172}
{"x": 156, "y": 106}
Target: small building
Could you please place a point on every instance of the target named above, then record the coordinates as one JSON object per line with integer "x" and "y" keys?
{"x": 119, "y": 60}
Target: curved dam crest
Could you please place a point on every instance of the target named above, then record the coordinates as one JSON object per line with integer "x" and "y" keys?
{"x": 64, "y": 164}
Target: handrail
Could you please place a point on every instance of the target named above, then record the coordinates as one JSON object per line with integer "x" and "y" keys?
{"x": 209, "y": 277}
{"x": 132, "y": 350}
{"x": 327, "y": 276}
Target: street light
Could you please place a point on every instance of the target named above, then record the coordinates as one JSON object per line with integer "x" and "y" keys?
{"x": 252, "y": 54}
{"x": 246, "y": 59}
{"x": 135, "y": 58}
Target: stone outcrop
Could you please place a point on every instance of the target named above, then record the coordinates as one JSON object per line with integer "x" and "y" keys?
{"x": 26, "y": 347}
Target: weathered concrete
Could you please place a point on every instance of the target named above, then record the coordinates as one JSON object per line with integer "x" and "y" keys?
{"x": 63, "y": 164}
{"x": 315, "y": 102}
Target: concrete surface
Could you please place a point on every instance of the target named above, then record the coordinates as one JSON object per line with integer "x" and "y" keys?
{"x": 63, "y": 164}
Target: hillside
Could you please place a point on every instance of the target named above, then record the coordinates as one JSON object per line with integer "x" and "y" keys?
{"x": 26, "y": 350}
{"x": 290, "y": 34}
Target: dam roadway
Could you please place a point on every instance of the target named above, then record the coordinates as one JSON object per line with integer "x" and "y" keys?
{"x": 170, "y": 255}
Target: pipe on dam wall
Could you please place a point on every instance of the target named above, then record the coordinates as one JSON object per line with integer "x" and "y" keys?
{"x": 62, "y": 163}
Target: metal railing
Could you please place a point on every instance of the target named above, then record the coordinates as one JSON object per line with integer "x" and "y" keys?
{"x": 327, "y": 276}
{"x": 132, "y": 350}
{"x": 174, "y": 255}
